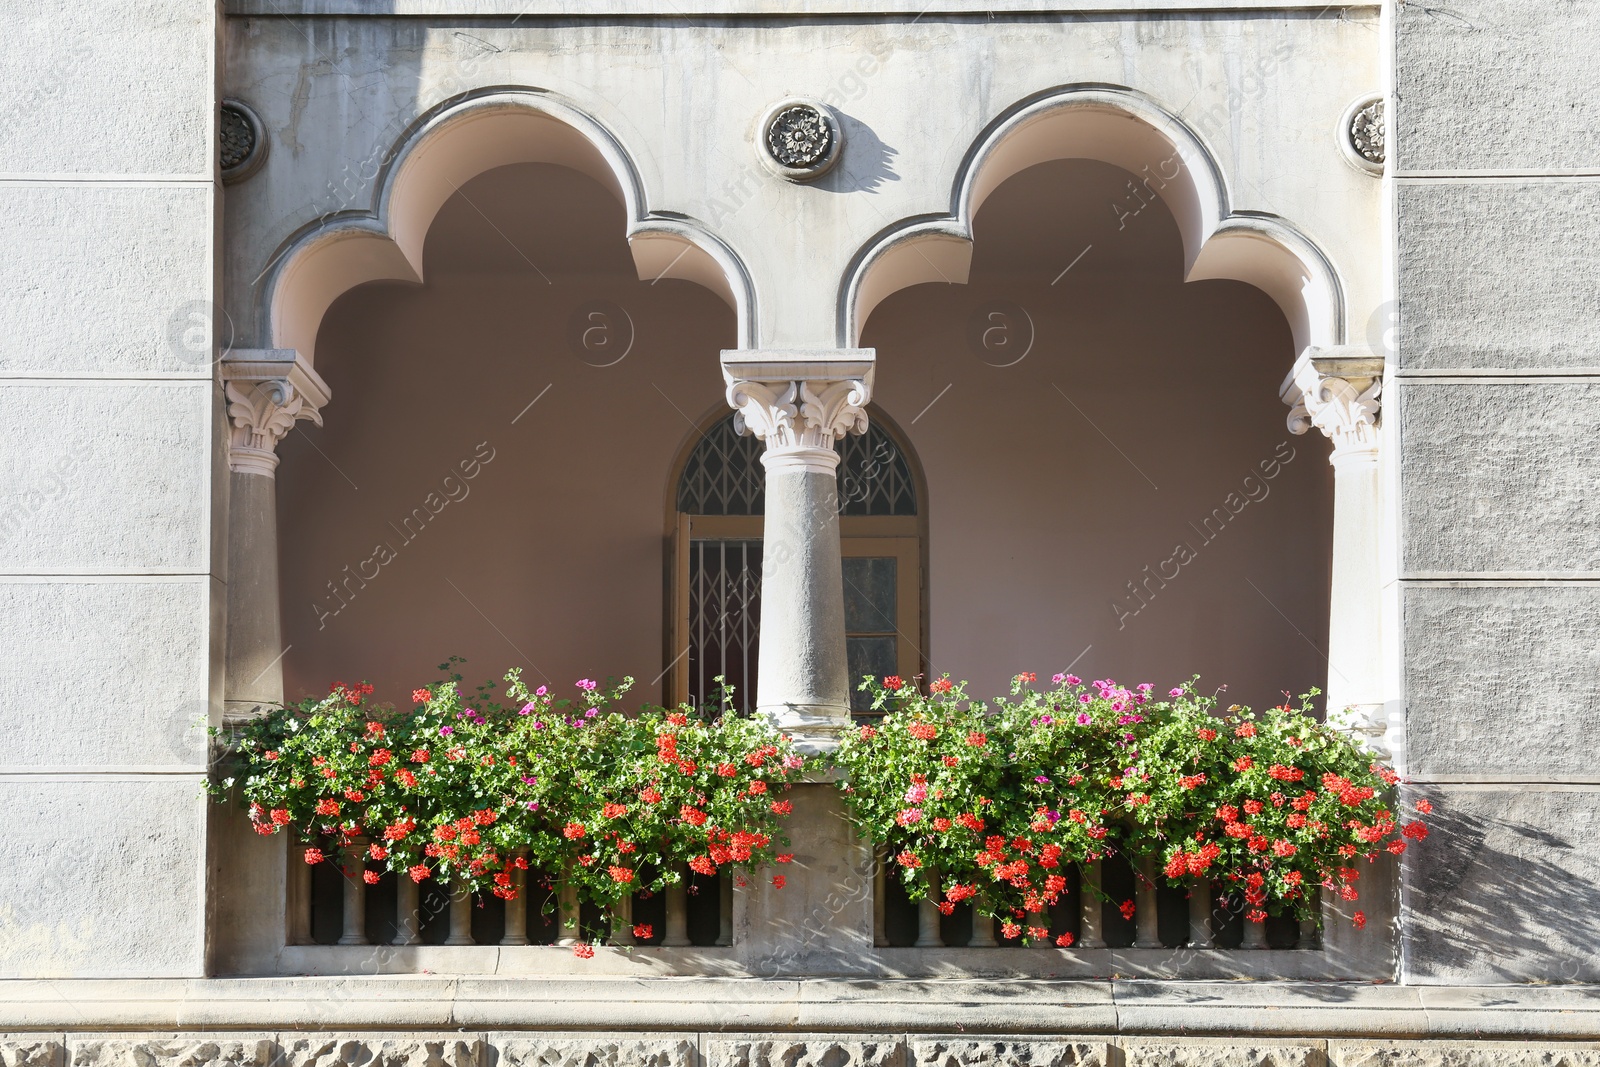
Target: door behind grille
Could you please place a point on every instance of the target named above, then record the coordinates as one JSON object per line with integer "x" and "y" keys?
{"x": 724, "y": 620}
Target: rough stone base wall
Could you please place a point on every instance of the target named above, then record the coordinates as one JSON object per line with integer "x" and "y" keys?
{"x": 466, "y": 1049}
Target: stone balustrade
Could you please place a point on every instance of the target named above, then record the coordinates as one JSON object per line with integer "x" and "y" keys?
{"x": 339, "y": 924}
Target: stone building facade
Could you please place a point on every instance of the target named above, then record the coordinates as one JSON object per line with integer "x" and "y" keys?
{"x": 343, "y": 335}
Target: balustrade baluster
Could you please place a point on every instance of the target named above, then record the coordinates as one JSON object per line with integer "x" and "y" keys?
{"x": 353, "y": 857}
{"x": 880, "y": 899}
{"x": 460, "y": 916}
{"x": 622, "y": 921}
{"x": 516, "y": 930}
{"x": 1200, "y": 913}
{"x": 1091, "y": 923}
{"x": 1147, "y": 928}
{"x": 677, "y": 933}
{"x": 299, "y": 892}
{"x": 928, "y": 933}
{"x": 725, "y": 911}
{"x": 1255, "y": 935}
{"x": 569, "y": 929}
{"x": 982, "y": 925}
{"x": 408, "y": 910}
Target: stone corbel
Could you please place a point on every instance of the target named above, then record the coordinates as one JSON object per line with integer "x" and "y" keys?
{"x": 1337, "y": 391}
{"x": 798, "y": 402}
{"x": 268, "y": 391}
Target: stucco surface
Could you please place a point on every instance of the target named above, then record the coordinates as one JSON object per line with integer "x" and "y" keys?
{"x": 1496, "y": 85}
{"x": 1500, "y": 476}
{"x": 1142, "y": 416}
{"x": 90, "y": 100}
{"x": 682, "y": 98}
{"x": 140, "y": 647}
{"x": 142, "y": 310}
{"x": 1500, "y": 274}
{"x": 106, "y": 477}
{"x": 70, "y": 899}
{"x": 1502, "y": 681}
{"x": 1506, "y": 888}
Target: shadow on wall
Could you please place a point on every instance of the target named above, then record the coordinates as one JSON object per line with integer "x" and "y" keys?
{"x": 492, "y": 480}
{"x": 1505, "y": 889}
{"x": 1112, "y": 487}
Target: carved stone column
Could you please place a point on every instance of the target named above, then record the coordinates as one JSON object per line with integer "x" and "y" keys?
{"x": 268, "y": 391}
{"x": 1337, "y": 390}
{"x": 799, "y": 403}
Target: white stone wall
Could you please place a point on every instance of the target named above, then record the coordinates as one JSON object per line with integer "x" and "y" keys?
{"x": 1495, "y": 158}
{"x": 108, "y": 453}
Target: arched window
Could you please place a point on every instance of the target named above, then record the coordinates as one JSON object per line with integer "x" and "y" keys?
{"x": 716, "y": 557}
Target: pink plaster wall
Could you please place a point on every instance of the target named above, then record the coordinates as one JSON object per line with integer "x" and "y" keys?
{"x": 552, "y": 555}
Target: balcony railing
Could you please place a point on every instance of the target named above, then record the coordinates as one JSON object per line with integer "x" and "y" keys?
{"x": 338, "y": 924}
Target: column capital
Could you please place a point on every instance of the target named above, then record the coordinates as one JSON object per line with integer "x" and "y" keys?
{"x": 1336, "y": 390}
{"x": 799, "y": 401}
{"x": 268, "y": 390}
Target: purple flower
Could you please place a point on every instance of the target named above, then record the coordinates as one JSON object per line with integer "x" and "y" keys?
{"x": 530, "y": 781}
{"x": 1041, "y": 779}
{"x": 446, "y": 731}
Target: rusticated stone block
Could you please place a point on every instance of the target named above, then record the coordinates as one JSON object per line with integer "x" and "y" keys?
{"x": 812, "y": 1050}
{"x": 24, "y": 1050}
{"x": 1508, "y": 1055}
{"x": 590, "y": 1050}
{"x": 1198, "y": 1054}
{"x": 977, "y": 1052}
{"x": 389, "y": 1050}
{"x": 171, "y": 1050}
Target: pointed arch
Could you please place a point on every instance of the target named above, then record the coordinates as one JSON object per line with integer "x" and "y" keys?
{"x": 1125, "y": 129}
{"x": 443, "y": 151}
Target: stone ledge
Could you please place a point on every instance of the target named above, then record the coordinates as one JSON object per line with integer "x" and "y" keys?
{"x": 719, "y": 1007}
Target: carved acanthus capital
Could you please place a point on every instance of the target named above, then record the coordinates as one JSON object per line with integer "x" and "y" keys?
{"x": 800, "y": 402}
{"x": 268, "y": 391}
{"x": 1336, "y": 390}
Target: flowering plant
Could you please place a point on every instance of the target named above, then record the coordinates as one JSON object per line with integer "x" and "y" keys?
{"x": 1277, "y": 804}
{"x": 623, "y": 804}
{"x": 467, "y": 790}
{"x": 999, "y": 800}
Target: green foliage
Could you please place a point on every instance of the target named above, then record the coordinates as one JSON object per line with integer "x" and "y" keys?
{"x": 468, "y": 790}
{"x": 1000, "y": 799}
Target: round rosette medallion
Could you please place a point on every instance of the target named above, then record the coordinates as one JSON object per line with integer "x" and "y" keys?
{"x": 799, "y": 139}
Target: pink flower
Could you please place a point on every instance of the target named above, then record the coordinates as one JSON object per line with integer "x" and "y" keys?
{"x": 541, "y": 691}
{"x": 1084, "y": 698}
{"x": 1084, "y": 718}
{"x": 587, "y": 685}
{"x": 1175, "y": 693}
{"x": 1058, "y": 678}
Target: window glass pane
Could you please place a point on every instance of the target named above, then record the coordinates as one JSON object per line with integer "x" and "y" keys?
{"x": 868, "y": 655}
{"x": 869, "y": 594}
